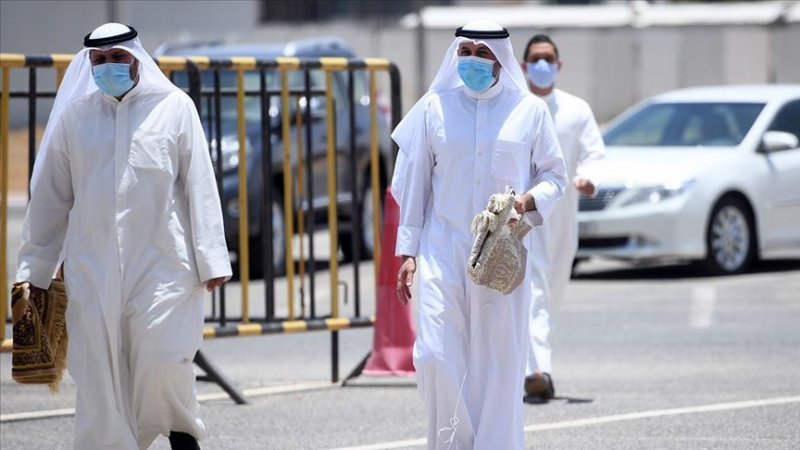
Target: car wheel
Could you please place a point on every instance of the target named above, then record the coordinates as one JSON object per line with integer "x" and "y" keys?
{"x": 730, "y": 238}
{"x": 367, "y": 238}
{"x": 278, "y": 246}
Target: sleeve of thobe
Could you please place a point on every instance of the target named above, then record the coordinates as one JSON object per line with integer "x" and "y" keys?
{"x": 48, "y": 212}
{"x": 591, "y": 148}
{"x": 549, "y": 172}
{"x": 205, "y": 212}
{"x": 411, "y": 184}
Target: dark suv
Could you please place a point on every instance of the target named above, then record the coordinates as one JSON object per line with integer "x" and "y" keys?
{"x": 313, "y": 48}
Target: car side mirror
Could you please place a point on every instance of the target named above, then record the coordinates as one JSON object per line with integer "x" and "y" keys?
{"x": 774, "y": 141}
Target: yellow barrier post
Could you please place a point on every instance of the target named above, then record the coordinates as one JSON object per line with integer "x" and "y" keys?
{"x": 373, "y": 65}
{"x": 60, "y": 62}
{"x": 331, "y": 64}
{"x": 4, "y": 108}
{"x": 242, "y": 64}
{"x": 285, "y": 65}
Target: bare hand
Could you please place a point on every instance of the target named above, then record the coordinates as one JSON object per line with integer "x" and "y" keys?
{"x": 524, "y": 203}
{"x": 214, "y": 283}
{"x": 405, "y": 279}
{"x": 585, "y": 187}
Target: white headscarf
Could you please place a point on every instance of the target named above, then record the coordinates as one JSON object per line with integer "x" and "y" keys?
{"x": 79, "y": 82}
{"x": 447, "y": 78}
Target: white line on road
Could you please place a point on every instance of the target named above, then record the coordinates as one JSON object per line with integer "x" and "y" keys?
{"x": 606, "y": 419}
{"x": 701, "y": 308}
{"x": 252, "y": 392}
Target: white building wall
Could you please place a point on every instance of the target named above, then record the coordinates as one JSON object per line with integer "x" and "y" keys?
{"x": 611, "y": 67}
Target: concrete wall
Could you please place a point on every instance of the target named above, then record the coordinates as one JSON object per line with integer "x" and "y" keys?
{"x": 611, "y": 67}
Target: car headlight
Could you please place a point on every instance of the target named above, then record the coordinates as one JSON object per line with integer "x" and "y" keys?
{"x": 230, "y": 151}
{"x": 653, "y": 194}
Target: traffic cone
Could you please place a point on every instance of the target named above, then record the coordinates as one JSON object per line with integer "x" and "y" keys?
{"x": 393, "y": 341}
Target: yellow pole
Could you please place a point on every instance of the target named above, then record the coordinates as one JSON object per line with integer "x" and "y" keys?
{"x": 332, "y": 197}
{"x": 244, "y": 241}
{"x": 288, "y": 210}
{"x": 4, "y": 203}
{"x": 60, "y": 62}
{"x": 375, "y": 170}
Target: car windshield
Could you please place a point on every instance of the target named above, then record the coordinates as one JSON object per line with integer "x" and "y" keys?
{"x": 252, "y": 82}
{"x": 685, "y": 125}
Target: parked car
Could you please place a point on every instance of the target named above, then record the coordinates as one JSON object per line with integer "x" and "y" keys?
{"x": 709, "y": 174}
{"x": 312, "y": 48}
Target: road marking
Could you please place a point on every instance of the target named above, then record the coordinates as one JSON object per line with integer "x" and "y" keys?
{"x": 606, "y": 419}
{"x": 252, "y": 392}
{"x": 46, "y": 414}
{"x": 701, "y": 308}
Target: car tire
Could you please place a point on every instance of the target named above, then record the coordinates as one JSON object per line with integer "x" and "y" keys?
{"x": 367, "y": 238}
{"x": 731, "y": 240}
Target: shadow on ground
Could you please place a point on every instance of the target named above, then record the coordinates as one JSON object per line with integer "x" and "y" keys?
{"x": 675, "y": 271}
{"x": 534, "y": 400}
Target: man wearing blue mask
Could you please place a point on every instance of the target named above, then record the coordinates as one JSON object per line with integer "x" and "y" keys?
{"x": 476, "y": 131}
{"x": 123, "y": 193}
{"x": 555, "y": 243}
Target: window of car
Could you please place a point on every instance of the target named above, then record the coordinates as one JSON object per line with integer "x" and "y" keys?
{"x": 788, "y": 119}
{"x": 685, "y": 125}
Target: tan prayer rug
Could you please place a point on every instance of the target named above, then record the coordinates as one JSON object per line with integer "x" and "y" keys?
{"x": 39, "y": 355}
{"x": 498, "y": 258}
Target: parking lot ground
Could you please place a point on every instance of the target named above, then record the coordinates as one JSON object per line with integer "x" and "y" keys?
{"x": 652, "y": 357}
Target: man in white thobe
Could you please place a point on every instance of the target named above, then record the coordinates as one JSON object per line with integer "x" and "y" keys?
{"x": 476, "y": 131}
{"x": 555, "y": 243}
{"x": 123, "y": 191}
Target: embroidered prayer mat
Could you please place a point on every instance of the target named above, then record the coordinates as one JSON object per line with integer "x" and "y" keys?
{"x": 498, "y": 258}
{"x": 39, "y": 355}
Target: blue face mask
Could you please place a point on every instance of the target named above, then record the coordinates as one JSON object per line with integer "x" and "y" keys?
{"x": 541, "y": 73}
{"x": 113, "y": 78}
{"x": 476, "y": 72}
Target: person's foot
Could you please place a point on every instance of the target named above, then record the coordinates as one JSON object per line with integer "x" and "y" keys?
{"x": 540, "y": 385}
{"x": 182, "y": 441}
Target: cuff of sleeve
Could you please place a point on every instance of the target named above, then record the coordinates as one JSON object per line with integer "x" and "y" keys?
{"x": 37, "y": 272}
{"x": 407, "y": 241}
{"x": 214, "y": 264}
{"x": 533, "y": 218}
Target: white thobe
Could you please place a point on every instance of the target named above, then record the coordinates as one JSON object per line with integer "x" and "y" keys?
{"x": 127, "y": 187}
{"x": 554, "y": 244}
{"x": 469, "y": 147}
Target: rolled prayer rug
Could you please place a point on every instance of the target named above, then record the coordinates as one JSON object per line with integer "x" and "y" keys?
{"x": 39, "y": 354}
{"x": 498, "y": 258}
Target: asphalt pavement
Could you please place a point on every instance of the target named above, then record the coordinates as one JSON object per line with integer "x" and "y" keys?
{"x": 644, "y": 358}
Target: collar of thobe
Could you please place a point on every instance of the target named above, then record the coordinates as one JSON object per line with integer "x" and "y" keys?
{"x": 550, "y": 99}
{"x": 133, "y": 93}
{"x": 485, "y": 95}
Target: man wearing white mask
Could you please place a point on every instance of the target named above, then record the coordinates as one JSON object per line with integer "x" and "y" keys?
{"x": 476, "y": 131}
{"x": 123, "y": 190}
{"x": 555, "y": 243}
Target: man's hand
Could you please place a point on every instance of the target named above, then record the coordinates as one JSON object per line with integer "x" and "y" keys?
{"x": 405, "y": 279}
{"x": 524, "y": 203}
{"x": 585, "y": 187}
{"x": 214, "y": 283}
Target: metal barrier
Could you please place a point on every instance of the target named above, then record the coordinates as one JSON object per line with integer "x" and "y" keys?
{"x": 202, "y": 78}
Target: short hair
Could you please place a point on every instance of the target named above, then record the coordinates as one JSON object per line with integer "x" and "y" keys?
{"x": 539, "y": 39}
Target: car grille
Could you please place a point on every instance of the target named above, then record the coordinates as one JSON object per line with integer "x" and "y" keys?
{"x": 598, "y": 202}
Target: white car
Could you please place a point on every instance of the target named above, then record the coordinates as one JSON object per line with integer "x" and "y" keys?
{"x": 708, "y": 174}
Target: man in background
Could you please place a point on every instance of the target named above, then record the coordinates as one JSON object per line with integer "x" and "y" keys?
{"x": 555, "y": 242}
